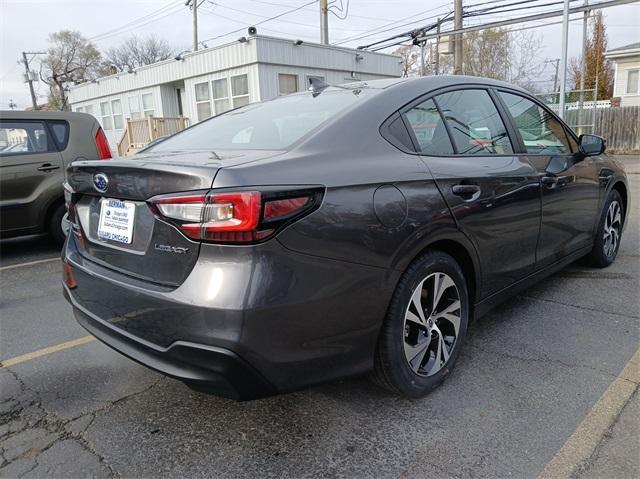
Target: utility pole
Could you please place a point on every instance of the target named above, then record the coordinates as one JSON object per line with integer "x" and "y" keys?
{"x": 324, "y": 22}
{"x": 457, "y": 43}
{"x": 422, "y": 67}
{"x": 28, "y": 77}
{"x": 556, "y": 64}
{"x": 194, "y": 8}
{"x": 563, "y": 58}
{"x": 583, "y": 71}
{"x": 436, "y": 67}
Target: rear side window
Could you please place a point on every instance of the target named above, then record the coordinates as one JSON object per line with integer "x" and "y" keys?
{"x": 60, "y": 131}
{"x": 541, "y": 133}
{"x": 474, "y": 122}
{"x": 24, "y": 137}
{"x": 429, "y": 129}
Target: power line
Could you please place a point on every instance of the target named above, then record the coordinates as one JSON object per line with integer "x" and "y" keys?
{"x": 262, "y": 16}
{"x": 166, "y": 10}
{"x": 381, "y": 30}
{"x": 262, "y": 21}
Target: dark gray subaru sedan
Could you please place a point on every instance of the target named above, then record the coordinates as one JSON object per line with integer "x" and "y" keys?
{"x": 334, "y": 232}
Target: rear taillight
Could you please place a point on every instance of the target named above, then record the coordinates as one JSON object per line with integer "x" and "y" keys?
{"x": 236, "y": 216}
{"x": 103, "y": 145}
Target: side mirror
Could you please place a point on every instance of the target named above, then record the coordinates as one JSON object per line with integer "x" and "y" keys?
{"x": 591, "y": 145}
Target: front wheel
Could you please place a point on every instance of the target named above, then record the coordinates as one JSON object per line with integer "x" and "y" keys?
{"x": 425, "y": 326}
{"x": 609, "y": 232}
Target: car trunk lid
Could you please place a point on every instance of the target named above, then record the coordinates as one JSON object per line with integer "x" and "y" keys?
{"x": 113, "y": 196}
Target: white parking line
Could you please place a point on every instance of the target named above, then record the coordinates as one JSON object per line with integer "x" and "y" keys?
{"x": 30, "y": 263}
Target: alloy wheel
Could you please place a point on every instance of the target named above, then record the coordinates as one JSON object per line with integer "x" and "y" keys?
{"x": 612, "y": 226}
{"x": 431, "y": 324}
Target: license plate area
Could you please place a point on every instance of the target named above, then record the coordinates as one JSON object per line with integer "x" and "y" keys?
{"x": 116, "y": 220}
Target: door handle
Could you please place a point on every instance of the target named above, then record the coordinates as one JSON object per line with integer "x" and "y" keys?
{"x": 466, "y": 192}
{"x": 48, "y": 167}
{"x": 549, "y": 181}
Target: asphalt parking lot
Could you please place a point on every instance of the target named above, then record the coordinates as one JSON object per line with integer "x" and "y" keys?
{"x": 547, "y": 383}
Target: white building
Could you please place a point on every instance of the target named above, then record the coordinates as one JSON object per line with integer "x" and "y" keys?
{"x": 626, "y": 84}
{"x": 200, "y": 84}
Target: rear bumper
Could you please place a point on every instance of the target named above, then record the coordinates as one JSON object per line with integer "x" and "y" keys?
{"x": 208, "y": 368}
{"x": 246, "y": 323}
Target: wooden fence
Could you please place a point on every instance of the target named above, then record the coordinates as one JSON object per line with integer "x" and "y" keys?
{"x": 139, "y": 132}
{"x": 620, "y": 126}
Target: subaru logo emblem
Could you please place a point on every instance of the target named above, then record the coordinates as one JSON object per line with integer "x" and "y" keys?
{"x": 100, "y": 182}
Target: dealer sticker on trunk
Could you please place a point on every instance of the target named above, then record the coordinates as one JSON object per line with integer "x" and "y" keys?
{"x": 116, "y": 220}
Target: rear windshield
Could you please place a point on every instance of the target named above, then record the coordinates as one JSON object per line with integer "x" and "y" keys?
{"x": 270, "y": 125}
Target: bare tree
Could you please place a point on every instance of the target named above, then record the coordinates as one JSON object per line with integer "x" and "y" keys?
{"x": 70, "y": 59}
{"x": 135, "y": 52}
{"x": 410, "y": 59}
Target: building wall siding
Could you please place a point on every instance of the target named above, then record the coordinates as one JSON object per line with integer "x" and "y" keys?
{"x": 620, "y": 84}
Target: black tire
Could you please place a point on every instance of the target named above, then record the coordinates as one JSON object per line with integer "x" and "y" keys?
{"x": 392, "y": 369}
{"x": 602, "y": 254}
{"x": 55, "y": 224}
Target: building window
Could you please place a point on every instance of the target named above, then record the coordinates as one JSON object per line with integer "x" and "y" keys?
{"x": 220, "y": 95}
{"x": 134, "y": 106}
{"x": 287, "y": 83}
{"x": 79, "y": 109}
{"x": 633, "y": 76}
{"x": 148, "y": 105}
{"x": 203, "y": 103}
{"x": 240, "y": 90}
{"x": 88, "y": 109}
{"x": 116, "y": 109}
{"x": 105, "y": 113}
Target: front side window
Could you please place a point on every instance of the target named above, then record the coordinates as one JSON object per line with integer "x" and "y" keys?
{"x": 287, "y": 84}
{"x": 633, "y": 77}
{"x": 105, "y": 114}
{"x": 203, "y": 104}
{"x": 116, "y": 108}
{"x": 18, "y": 137}
{"x": 269, "y": 125}
{"x": 474, "y": 123}
{"x": 541, "y": 133}
{"x": 429, "y": 129}
{"x": 220, "y": 95}
{"x": 240, "y": 90}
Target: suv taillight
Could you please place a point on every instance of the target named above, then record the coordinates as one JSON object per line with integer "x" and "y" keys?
{"x": 229, "y": 216}
{"x": 103, "y": 145}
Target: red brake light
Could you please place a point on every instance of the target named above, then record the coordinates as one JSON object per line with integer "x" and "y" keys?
{"x": 232, "y": 217}
{"x": 280, "y": 208}
{"x": 103, "y": 145}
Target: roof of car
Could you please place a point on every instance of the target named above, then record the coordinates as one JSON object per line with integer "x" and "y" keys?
{"x": 436, "y": 81}
{"x": 43, "y": 115}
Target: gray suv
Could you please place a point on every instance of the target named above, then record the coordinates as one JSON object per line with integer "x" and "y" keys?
{"x": 35, "y": 149}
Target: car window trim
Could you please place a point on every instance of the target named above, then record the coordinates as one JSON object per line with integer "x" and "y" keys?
{"x": 567, "y": 130}
{"x": 431, "y": 96}
{"x": 52, "y": 147}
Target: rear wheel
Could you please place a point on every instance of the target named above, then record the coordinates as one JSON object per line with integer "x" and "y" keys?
{"x": 607, "y": 241}
{"x": 55, "y": 224}
{"x": 425, "y": 327}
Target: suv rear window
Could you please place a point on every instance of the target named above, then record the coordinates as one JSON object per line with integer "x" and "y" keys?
{"x": 270, "y": 125}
